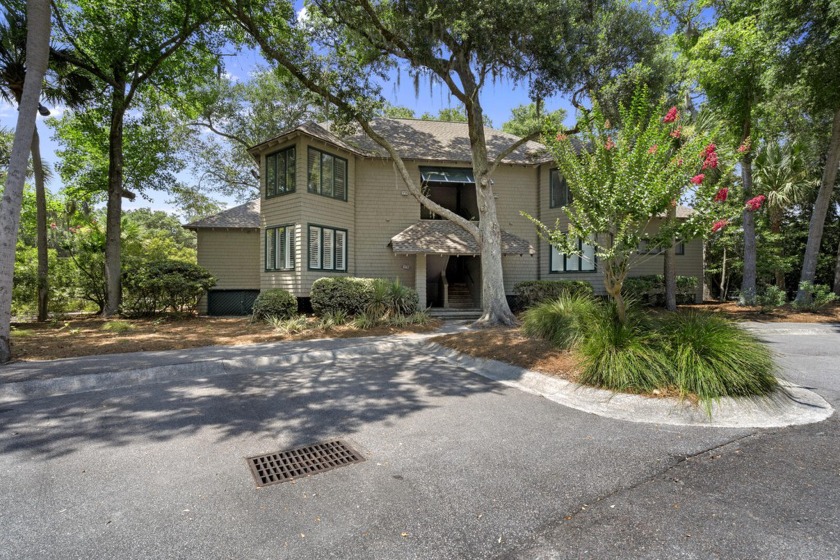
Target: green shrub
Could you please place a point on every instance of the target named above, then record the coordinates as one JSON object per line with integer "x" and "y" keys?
{"x": 622, "y": 357}
{"x": 165, "y": 285}
{"x": 276, "y": 303}
{"x": 561, "y": 321}
{"x": 532, "y": 292}
{"x": 816, "y": 297}
{"x": 650, "y": 290}
{"x": 352, "y": 296}
{"x": 365, "y": 321}
{"x": 712, "y": 357}
{"x": 772, "y": 298}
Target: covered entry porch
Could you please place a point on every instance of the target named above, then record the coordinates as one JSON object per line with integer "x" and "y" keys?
{"x": 447, "y": 271}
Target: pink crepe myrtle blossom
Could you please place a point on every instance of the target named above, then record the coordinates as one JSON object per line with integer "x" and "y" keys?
{"x": 744, "y": 147}
{"x": 672, "y": 115}
{"x": 719, "y": 225}
{"x": 711, "y": 161}
{"x": 710, "y": 149}
{"x": 676, "y": 133}
{"x": 609, "y": 144}
{"x": 652, "y": 149}
{"x": 53, "y": 226}
{"x": 698, "y": 179}
{"x": 721, "y": 195}
{"x": 561, "y": 137}
{"x": 755, "y": 203}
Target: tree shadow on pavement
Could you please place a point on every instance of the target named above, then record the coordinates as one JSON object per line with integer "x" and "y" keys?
{"x": 287, "y": 406}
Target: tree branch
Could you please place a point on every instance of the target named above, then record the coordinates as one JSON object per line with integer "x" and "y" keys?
{"x": 519, "y": 143}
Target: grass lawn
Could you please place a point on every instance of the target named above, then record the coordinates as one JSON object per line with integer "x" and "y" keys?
{"x": 94, "y": 335}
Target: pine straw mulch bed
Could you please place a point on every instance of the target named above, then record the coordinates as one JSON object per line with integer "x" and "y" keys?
{"x": 85, "y": 336}
{"x": 509, "y": 345}
{"x": 732, "y": 310}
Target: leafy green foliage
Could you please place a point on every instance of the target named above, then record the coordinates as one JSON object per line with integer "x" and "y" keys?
{"x": 286, "y": 326}
{"x": 376, "y": 297}
{"x": 563, "y": 321}
{"x": 624, "y": 179}
{"x": 533, "y": 292}
{"x": 650, "y": 290}
{"x": 276, "y": 302}
{"x": 817, "y": 296}
{"x": 771, "y": 299}
{"x": 153, "y": 287}
{"x": 524, "y": 120}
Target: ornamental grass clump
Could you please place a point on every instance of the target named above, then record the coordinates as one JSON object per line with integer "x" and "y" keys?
{"x": 712, "y": 357}
{"x": 623, "y": 356}
{"x": 561, "y": 321}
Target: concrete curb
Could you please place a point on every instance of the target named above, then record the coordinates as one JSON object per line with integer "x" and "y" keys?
{"x": 792, "y": 407}
{"x": 41, "y": 388}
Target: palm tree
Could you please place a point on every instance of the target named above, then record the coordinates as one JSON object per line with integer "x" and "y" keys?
{"x": 781, "y": 175}
{"x": 38, "y": 49}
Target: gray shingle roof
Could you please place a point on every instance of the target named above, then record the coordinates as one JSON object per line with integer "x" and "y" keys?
{"x": 421, "y": 140}
{"x": 443, "y": 237}
{"x": 244, "y": 216}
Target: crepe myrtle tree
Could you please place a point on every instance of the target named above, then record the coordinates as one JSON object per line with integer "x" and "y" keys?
{"x": 623, "y": 179}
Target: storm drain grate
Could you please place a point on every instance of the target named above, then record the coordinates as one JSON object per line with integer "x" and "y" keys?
{"x": 302, "y": 461}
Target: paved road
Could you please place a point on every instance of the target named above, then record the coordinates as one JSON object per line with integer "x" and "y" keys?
{"x": 457, "y": 467}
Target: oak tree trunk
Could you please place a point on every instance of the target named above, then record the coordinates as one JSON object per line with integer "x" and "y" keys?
{"x": 821, "y": 205}
{"x": 37, "y": 57}
{"x": 41, "y": 228}
{"x": 113, "y": 224}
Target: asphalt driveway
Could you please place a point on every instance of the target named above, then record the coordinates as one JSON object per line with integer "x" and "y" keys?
{"x": 457, "y": 467}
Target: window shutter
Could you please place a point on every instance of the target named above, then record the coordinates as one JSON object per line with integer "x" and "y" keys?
{"x": 340, "y": 173}
{"x": 269, "y": 249}
{"x": 290, "y": 247}
{"x": 340, "y": 250}
{"x": 280, "y": 240}
{"x": 314, "y": 182}
{"x": 329, "y": 249}
{"x": 314, "y": 247}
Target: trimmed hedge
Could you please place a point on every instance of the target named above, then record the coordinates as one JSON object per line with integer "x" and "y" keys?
{"x": 275, "y": 303}
{"x": 533, "y": 292}
{"x": 650, "y": 290}
{"x": 158, "y": 286}
{"x": 355, "y": 296}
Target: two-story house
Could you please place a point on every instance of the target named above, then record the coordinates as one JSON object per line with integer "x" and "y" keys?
{"x": 333, "y": 206}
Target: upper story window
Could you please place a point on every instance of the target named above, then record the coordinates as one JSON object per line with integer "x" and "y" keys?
{"x": 327, "y": 174}
{"x": 560, "y": 194}
{"x": 280, "y": 172}
{"x": 559, "y": 262}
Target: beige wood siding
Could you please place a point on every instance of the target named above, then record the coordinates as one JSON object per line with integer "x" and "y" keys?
{"x": 232, "y": 256}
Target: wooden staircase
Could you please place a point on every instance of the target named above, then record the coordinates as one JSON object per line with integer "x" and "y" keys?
{"x": 460, "y": 297}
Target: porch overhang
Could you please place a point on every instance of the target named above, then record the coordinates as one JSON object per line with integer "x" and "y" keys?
{"x": 443, "y": 237}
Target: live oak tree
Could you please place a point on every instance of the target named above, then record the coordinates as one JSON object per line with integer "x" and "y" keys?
{"x": 229, "y": 115}
{"x": 525, "y": 119}
{"x": 37, "y": 49}
{"x": 129, "y": 48}
{"x": 343, "y": 50}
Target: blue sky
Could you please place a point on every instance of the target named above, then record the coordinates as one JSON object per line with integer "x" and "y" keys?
{"x": 498, "y": 99}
